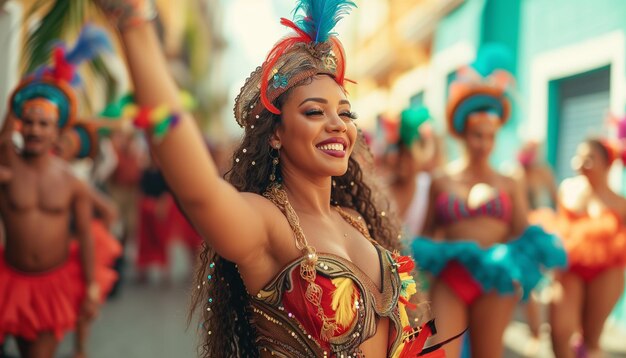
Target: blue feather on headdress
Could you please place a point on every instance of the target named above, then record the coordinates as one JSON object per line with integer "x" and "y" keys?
{"x": 321, "y": 16}
{"x": 91, "y": 42}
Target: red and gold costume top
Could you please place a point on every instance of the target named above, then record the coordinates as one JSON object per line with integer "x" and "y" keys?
{"x": 288, "y": 324}
{"x": 323, "y": 305}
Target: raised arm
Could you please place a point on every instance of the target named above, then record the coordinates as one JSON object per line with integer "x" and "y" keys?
{"x": 7, "y": 150}
{"x": 6, "y": 129}
{"x": 214, "y": 206}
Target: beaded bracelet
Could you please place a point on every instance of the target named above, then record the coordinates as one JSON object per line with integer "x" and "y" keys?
{"x": 158, "y": 121}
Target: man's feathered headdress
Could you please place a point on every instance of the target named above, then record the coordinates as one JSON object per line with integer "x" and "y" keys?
{"x": 55, "y": 83}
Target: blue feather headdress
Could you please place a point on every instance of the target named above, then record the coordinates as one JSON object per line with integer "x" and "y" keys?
{"x": 313, "y": 49}
{"x": 55, "y": 83}
{"x": 320, "y": 17}
{"x": 91, "y": 42}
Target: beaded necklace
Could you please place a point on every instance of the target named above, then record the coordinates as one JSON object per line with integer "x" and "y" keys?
{"x": 277, "y": 195}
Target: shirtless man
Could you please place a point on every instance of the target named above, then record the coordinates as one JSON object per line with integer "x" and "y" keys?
{"x": 38, "y": 197}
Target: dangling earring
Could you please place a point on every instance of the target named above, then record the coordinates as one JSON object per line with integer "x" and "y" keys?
{"x": 275, "y": 156}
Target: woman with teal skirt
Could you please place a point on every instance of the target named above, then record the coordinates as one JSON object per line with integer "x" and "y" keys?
{"x": 478, "y": 246}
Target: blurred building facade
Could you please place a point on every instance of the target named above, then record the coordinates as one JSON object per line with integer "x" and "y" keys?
{"x": 569, "y": 62}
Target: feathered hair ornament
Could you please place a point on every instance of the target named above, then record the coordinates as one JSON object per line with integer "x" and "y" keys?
{"x": 411, "y": 121}
{"x": 55, "y": 82}
{"x": 482, "y": 86}
{"x": 311, "y": 50}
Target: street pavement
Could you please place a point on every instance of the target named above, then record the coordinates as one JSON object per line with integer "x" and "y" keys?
{"x": 518, "y": 342}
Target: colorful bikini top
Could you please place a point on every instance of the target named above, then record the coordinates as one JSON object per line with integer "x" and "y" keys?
{"x": 322, "y": 305}
{"x": 450, "y": 208}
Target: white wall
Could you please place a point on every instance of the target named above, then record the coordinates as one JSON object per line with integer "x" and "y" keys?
{"x": 10, "y": 23}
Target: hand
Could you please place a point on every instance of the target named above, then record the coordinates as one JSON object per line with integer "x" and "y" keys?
{"x": 89, "y": 308}
{"x": 127, "y": 13}
{"x": 91, "y": 304}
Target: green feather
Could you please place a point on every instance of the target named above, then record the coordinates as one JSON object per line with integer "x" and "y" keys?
{"x": 410, "y": 121}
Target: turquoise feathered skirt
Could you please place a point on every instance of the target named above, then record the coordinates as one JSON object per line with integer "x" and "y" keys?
{"x": 501, "y": 267}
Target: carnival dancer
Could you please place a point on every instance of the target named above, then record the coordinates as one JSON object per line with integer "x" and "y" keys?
{"x": 47, "y": 282}
{"x": 541, "y": 191}
{"x": 77, "y": 143}
{"x": 155, "y": 223}
{"x": 590, "y": 220}
{"x": 124, "y": 182}
{"x": 538, "y": 178}
{"x": 291, "y": 234}
{"x": 411, "y": 183}
{"x": 479, "y": 271}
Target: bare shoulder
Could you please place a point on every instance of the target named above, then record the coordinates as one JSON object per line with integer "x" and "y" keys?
{"x": 440, "y": 180}
{"x": 509, "y": 183}
{"x": 65, "y": 173}
{"x": 64, "y": 169}
{"x": 355, "y": 214}
{"x": 259, "y": 202}
{"x": 263, "y": 207}
{"x": 279, "y": 231}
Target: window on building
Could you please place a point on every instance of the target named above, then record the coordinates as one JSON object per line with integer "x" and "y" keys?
{"x": 578, "y": 109}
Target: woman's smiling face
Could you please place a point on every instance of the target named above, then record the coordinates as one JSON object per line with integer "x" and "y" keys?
{"x": 317, "y": 133}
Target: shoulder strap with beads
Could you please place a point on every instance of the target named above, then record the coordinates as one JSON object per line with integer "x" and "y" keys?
{"x": 277, "y": 195}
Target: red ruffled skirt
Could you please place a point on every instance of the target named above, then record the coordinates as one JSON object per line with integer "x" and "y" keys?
{"x": 31, "y": 303}
{"x": 593, "y": 242}
{"x": 107, "y": 248}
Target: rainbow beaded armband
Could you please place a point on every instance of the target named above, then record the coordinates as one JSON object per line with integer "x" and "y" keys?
{"x": 157, "y": 121}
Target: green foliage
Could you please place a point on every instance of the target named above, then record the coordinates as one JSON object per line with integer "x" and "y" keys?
{"x": 63, "y": 19}
{"x": 64, "y": 16}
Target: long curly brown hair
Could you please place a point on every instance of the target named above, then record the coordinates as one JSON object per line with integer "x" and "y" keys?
{"x": 219, "y": 293}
